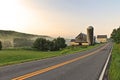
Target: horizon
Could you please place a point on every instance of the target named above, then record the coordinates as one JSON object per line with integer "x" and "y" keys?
{"x": 65, "y": 18}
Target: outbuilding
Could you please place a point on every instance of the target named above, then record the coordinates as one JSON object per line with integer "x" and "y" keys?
{"x": 102, "y": 38}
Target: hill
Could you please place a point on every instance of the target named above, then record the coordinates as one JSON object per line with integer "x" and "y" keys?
{"x": 18, "y": 39}
{"x": 4, "y": 34}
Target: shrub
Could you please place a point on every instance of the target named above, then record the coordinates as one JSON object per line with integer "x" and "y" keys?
{"x": 46, "y": 45}
{"x": 59, "y": 43}
{"x": 40, "y": 44}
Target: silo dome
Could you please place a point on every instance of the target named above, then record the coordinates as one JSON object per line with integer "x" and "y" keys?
{"x": 90, "y": 27}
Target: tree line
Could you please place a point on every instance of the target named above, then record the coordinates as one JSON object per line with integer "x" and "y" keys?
{"x": 47, "y": 45}
{"x": 116, "y": 35}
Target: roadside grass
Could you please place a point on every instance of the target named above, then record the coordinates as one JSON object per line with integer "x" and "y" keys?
{"x": 114, "y": 71}
{"x": 14, "y": 56}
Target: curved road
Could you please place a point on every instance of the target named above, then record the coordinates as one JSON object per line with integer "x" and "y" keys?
{"x": 85, "y": 65}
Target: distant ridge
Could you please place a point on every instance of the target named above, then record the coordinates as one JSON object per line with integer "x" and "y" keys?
{"x": 13, "y": 34}
{"x": 11, "y": 39}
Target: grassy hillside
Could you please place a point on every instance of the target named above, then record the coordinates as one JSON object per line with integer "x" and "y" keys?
{"x": 8, "y": 37}
{"x": 4, "y": 34}
{"x": 14, "y": 56}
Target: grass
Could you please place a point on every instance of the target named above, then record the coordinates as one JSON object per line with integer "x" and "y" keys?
{"x": 114, "y": 71}
{"x": 14, "y": 56}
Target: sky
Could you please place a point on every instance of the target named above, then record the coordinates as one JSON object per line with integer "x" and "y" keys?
{"x": 65, "y": 18}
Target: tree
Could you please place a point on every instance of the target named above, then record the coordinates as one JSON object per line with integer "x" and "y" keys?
{"x": 116, "y": 35}
{"x": 51, "y": 46}
{"x": 0, "y": 45}
{"x": 40, "y": 44}
{"x": 45, "y": 45}
{"x": 59, "y": 43}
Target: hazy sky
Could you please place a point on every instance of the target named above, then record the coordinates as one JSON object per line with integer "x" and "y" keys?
{"x": 66, "y": 18}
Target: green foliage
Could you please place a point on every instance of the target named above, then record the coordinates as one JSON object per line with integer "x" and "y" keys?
{"x": 0, "y": 45}
{"x": 40, "y": 44}
{"x": 13, "y": 56}
{"x": 116, "y": 35}
{"x": 114, "y": 71}
{"x": 51, "y": 46}
{"x": 46, "y": 45}
{"x": 59, "y": 43}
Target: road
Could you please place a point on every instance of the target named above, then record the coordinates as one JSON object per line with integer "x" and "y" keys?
{"x": 85, "y": 65}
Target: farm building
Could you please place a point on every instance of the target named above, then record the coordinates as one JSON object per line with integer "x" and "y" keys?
{"x": 81, "y": 39}
{"x": 102, "y": 38}
{"x": 73, "y": 42}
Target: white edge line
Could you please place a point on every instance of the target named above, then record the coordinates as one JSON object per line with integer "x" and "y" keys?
{"x": 105, "y": 66}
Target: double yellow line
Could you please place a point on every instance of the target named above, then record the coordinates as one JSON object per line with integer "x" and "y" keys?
{"x": 55, "y": 66}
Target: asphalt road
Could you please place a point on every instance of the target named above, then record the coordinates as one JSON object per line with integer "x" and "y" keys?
{"x": 85, "y": 65}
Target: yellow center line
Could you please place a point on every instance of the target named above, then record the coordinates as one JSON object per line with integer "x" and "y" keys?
{"x": 54, "y": 66}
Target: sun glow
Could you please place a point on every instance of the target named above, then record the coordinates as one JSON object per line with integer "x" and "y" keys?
{"x": 12, "y": 15}
{"x": 54, "y": 17}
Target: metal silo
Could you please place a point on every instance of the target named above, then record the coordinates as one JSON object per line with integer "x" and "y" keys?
{"x": 90, "y": 35}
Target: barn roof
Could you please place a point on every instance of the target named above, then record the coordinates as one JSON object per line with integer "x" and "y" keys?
{"x": 81, "y": 34}
{"x": 101, "y": 36}
{"x": 81, "y": 38}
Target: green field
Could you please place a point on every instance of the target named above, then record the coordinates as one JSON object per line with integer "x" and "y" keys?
{"x": 114, "y": 72}
{"x": 14, "y": 56}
